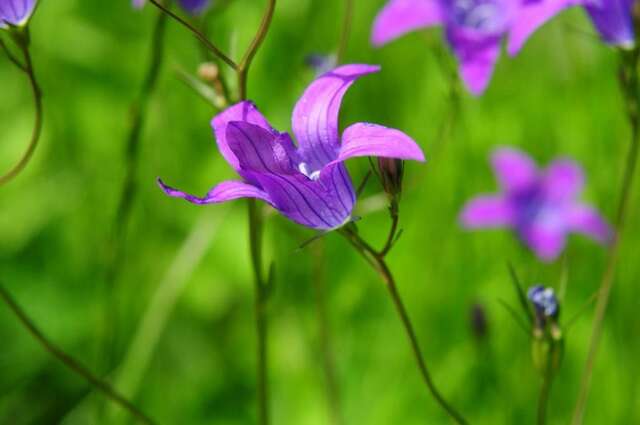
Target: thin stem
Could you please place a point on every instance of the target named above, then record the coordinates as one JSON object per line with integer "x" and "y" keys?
{"x": 346, "y": 31}
{"x": 258, "y": 39}
{"x": 261, "y": 289}
{"x": 319, "y": 283}
{"x": 37, "y": 127}
{"x": 73, "y": 364}
{"x": 128, "y": 194}
{"x": 393, "y": 213}
{"x": 630, "y": 85}
{"x": 212, "y": 47}
{"x": 11, "y": 57}
{"x": 545, "y": 390}
{"x": 378, "y": 263}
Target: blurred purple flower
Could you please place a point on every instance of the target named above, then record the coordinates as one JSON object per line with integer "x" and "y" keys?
{"x": 474, "y": 28}
{"x": 321, "y": 64}
{"x": 15, "y": 12}
{"x": 612, "y": 18}
{"x": 194, "y": 7}
{"x": 309, "y": 183}
{"x": 540, "y": 205}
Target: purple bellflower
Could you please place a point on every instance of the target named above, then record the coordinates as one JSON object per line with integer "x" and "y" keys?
{"x": 540, "y": 205}
{"x": 16, "y": 12}
{"x": 474, "y": 28}
{"x": 307, "y": 183}
{"x": 193, "y": 7}
{"x": 612, "y": 18}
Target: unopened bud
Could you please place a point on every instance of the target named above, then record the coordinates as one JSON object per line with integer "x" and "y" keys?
{"x": 391, "y": 173}
{"x": 209, "y": 72}
{"x": 545, "y": 304}
{"x": 478, "y": 319}
{"x": 547, "y": 346}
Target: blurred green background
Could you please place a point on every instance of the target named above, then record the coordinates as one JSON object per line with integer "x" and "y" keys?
{"x": 193, "y": 361}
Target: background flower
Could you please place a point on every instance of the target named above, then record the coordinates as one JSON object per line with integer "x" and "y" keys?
{"x": 541, "y": 206}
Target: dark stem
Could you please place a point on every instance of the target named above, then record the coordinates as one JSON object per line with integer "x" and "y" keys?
{"x": 11, "y": 57}
{"x": 37, "y": 127}
{"x": 70, "y": 362}
{"x": 262, "y": 287}
{"x": 631, "y": 89}
{"x": 394, "y": 215}
{"x": 319, "y": 284}
{"x": 377, "y": 262}
{"x": 346, "y": 31}
{"x": 258, "y": 39}
{"x": 127, "y": 197}
{"x": 212, "y": 47}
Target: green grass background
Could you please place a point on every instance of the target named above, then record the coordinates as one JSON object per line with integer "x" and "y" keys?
{"x": 559, "y": 97}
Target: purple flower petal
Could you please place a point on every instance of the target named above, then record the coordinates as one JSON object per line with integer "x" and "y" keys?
{"x": 547, "y": 240}
{"x": 15, "y": 12}
{"x": 313, "y": 203}
{"x": 243, "y": 111}
{"x": 514, "y": 170}
{"x": 315, "y": 117}
{"x": 477, "y": 55}
{"x": 223, "y": 192}
{"x": 487, "y": 211}
{"x": 613, "y": 19}
{"x": 399, "y": 17}
{"x": 563, "y": 181}
{"x": 586, "y": 220}
{"x": 364, "y": 139}
{"x": 531, "y": 16}
{"x": 194, "y": 7}
{"x": 260, "y": 150}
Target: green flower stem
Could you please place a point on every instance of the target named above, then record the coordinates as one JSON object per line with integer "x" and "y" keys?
{"x": 262, "y": 287}
{"x": 116, "y": 241}
{"x": 630, "y": 85}
{"x": 377, "y": 261}
{"x": 27, "y": 68}
{"x": 212, "y": 47}
{"x": 71, "y": 363}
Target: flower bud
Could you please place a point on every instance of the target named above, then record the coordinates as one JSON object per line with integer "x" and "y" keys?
{"x": 547, "y": 346}
{"x": 545, "y": 304}
{"x": 391, "y": 172}
{"x": 209, "y": 72}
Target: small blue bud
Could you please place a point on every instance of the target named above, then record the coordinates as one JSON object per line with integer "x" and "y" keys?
{"x": 544, "y": 301}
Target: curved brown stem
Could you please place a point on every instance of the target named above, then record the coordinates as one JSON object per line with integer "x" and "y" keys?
{"x": 37, "y": 127}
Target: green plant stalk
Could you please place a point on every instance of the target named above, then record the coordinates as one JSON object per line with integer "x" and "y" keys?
{"x": 71, "y": 363}
{"x": 255, "y": 236}
{"x": 377, "y": 261}
{"x": 324, "y": 330}
{"x": 630, "y": 84}
{"x": 27, "y": 68}
{"x": 345, "y": 32}
{"x": 115, "y": 247}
